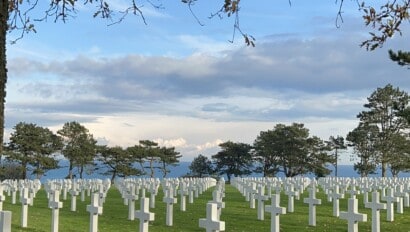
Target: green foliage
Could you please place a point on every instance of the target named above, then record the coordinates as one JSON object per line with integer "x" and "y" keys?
{"x": 264, "y": 153}
{"x": 79, "y": 147}
{"x": 201, "y": 166}
{"x": 319, "y": 157}
{"x": 363, "y": 139}
{"x": 151, "y": 153}
{"x": 402, "y": 58}
{"x": 10, "y": 170}
{"x": 386, "y": 107}
{"x": 168, "y": 156}
{"x": 336, "y": 144}
{"x": 119, "y": 162}
{"x": 234, "y": 159}
{"x": 291, "y": 150}
{"x": 33, "y": 145}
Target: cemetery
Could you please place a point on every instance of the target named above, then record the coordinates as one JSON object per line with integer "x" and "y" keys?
{"x": 206, "y": 204}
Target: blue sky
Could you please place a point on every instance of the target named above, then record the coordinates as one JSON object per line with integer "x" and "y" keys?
{"x": 185, "y": 85}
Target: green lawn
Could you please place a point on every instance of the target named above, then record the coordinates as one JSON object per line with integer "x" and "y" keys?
{"x": 237, "y": 215}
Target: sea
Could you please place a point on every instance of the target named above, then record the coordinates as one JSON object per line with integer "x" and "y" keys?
{"x": 183, "y": 168}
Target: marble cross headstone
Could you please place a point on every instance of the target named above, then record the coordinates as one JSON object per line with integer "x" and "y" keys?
{"x": 144, "y": 215}
{"x": 55, "y": 206}
{"x": 170, "y": 201}
{"x": 312, "y": 201}
{"x": 2, "y": 197}
{"x": 291, "y": 192}
{"x": 131, "y": 197}
{"x": 94, "y": 209}
{"x": 25, "y": 201}
{"x": 275, "y": 211}
{"x": 390, "y": 199}
{"x": 5, "y": 221}
{"x": 335, "y": 195}
{"x": 375, "y": 206}
{"x": 352, "y": 216}
{"x": 261, "y": 198}
{"x": 211, "y": 222}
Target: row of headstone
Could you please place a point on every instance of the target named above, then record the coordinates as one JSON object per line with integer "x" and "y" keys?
{"x": 134, "y": 189}
{"x": 27, "y": 189}
{"x": 392, "y": 190}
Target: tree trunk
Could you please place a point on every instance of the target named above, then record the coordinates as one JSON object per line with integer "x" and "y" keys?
{"x": 70, "y": 171}
{"x": 336, "y": 163}
{"x": 384, "y": 168}
{"x": 114, "y": 174}
{"x": 4, "y": 15}
{"x": 81, "y": 171}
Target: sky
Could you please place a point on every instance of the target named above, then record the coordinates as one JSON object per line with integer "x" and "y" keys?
{"x": 186, "y": 84}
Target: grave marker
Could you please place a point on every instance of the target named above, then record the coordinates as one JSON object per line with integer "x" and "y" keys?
{"x": 376, "y": 206}
{"x": 275, "y": 211}
{"x": 312, "y": 201}
{"x": 55, "y": 206}
{"x": 94, "y": 209}
{"x": 352, "y": 216}
{"x": 144, "y": 215}
{"x": 211, "y": 222}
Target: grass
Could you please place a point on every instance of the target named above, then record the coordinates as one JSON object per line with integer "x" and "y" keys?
{"x": 238, "y": 216}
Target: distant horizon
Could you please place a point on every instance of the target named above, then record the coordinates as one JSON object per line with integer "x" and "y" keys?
{"x": 344, "y": 170}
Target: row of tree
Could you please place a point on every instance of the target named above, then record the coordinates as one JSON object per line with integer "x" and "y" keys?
{"x": 36, "y": 149}
{"x": 381, "y": 139}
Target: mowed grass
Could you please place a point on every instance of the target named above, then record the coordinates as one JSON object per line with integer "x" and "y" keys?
{"x": 238, "y": 216}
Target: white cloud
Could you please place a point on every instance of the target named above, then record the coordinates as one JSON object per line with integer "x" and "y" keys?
{"x": 177, "y": 143}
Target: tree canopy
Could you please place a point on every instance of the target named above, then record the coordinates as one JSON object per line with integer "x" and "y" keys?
{"x": 33, "y": 145}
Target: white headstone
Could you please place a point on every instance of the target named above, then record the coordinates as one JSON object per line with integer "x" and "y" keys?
{"x": 170, "y": 201}
{"x": 131, "y": 197}
{"x": 2, "y": 197}
{"x": 182, "y": 194}
{"x": 352, "y": 216}
{"x": 55, "y": 206}
{"x": 211, "y": 222}
{"x": 5, "y": 221}
{"x": 390, "y": 199}
{"x": 261, "y": 198}
{"x": 291, "y": 197}
{"x": 335, "y": 195}
{"x": 25, "y": 201}
{"x": 275, "y": 211}
{"x": 375, "y": 206}
{"x": 312, "y": 201}
{"x": 94, "y": 209}
{"x": 144, "y": 215}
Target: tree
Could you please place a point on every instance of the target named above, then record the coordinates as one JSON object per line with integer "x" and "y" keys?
{"x": 201, "y": 166}
{"x": 79, "y": 147}
{"x": 264, "y": 153}
{"x": 387, "y": 20}
{"x": 234, "y": 159}
{"x": 291, "y": 148}
{"x": 15, "y": 15}
{"x": 137, "y": 154}
{"x": 118, "y": 161}
{"x": 33, "y": 145}
{"x": 319, "y": 157}
{"x": 363, "y": 139}
{"x": 151, "y": 153}
{"x": 401, "y": 154}
{"x": 385, "y": 109}
{"x": 402, "y": 58}
{"x": 168, "y": 156}
{"x": 336, "y": 144}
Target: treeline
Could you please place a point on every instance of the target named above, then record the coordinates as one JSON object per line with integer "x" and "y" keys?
{"x": 34, "y": 150}
{"x": 381, "y": 139}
